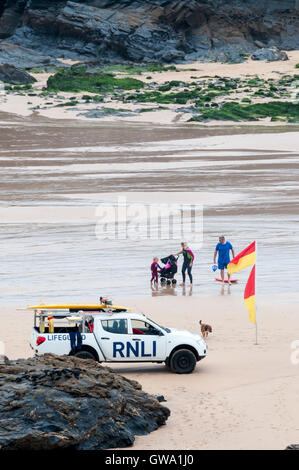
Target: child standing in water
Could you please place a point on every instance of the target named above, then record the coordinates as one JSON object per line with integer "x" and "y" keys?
{"x": 154, "y": 270}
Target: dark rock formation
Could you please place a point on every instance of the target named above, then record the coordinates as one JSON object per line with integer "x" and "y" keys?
{"x": 11, "y": 14}
{"x": 271, "y": 55}
{"x": 63, "y": 402}
{"x": 4, "y": 359}
{"x": 144, "y": 30}
{"x": 23, "y": 57}
{"x": 160, "y": 398}
{"x": 10, "y": 74}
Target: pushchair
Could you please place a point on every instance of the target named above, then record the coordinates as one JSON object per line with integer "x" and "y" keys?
{"x": 170, "y": 269}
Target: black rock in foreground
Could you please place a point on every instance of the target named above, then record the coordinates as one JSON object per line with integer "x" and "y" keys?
{"x": 53, "y": 402}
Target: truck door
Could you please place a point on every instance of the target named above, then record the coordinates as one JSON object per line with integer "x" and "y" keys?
{"x": 148, "y": 342}
{"x": 112, "y": 336}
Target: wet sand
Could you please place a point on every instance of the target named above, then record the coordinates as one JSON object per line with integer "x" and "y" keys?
{"x": 54, "y": 177}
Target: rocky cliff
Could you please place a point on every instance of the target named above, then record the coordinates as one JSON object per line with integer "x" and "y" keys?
{"x": 53, "y": 402}
{"x": 148, "y": 30}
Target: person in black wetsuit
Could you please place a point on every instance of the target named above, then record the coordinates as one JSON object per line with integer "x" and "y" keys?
{"x": 188, "y": 262}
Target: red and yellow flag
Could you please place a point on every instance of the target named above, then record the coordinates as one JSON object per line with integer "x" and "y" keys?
{"x": 242, "y": 260}
{"x": 249, "y": 295}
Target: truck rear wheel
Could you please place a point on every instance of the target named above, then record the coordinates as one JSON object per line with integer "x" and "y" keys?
{"x": 85, "y": 355}
{"x": 183, "y": 361}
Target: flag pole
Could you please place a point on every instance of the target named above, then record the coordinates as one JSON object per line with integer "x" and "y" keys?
{"x": 255, "y": 288}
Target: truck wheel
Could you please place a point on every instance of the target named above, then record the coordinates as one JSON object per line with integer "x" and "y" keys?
{"x": 85, "y": 355}
{"x": 183, "y": 361}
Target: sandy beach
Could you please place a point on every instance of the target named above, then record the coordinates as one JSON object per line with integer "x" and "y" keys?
{"x": 241, "y": 396}
{"x": 50, "y": 107}
{"x": 55, "y": 175}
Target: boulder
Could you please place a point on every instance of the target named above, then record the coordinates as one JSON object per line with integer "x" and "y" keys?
{"x": 259, "y": 44}
{"x": 229, "y": 57}
{"x": 23, "y": 57}
{"x": 62, "y": 402}
{"x": 10, "y": 74}
{"x": 271, "y": 55}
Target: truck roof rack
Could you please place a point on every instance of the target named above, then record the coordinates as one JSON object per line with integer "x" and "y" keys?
{"x": 74, "y": 308}
{"x": 64, "y": 313}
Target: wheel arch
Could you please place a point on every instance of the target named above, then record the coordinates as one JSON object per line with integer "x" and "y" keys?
{"x": 86, "y": 347}
{"x": 183, "y": 346}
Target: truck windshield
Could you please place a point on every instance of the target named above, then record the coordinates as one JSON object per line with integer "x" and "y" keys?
{"x": 162, "y": 327}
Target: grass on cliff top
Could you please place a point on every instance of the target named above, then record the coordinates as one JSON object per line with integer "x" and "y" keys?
{"x": 77, "y": 80}
{"x": 251, "y": 112}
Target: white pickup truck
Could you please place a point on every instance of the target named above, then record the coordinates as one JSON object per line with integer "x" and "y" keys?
{"x": 113, "y": 334}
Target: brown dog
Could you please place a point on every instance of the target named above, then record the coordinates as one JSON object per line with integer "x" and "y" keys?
{"x": 205, "y": 329}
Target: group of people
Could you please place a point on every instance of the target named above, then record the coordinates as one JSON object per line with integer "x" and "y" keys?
{"x": 222, "y": 251}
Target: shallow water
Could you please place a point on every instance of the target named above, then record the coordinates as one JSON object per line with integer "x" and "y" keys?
{"x": 54, "y": 176}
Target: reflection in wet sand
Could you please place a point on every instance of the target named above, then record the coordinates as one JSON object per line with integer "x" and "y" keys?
{"x": 187, "y": 291}
{"x": 164, "y": 290}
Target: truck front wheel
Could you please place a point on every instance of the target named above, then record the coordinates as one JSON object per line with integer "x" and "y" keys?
{"x": 183, "y": 361}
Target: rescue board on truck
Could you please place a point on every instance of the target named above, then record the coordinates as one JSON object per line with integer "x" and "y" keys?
{"x": 76, "y": 307}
